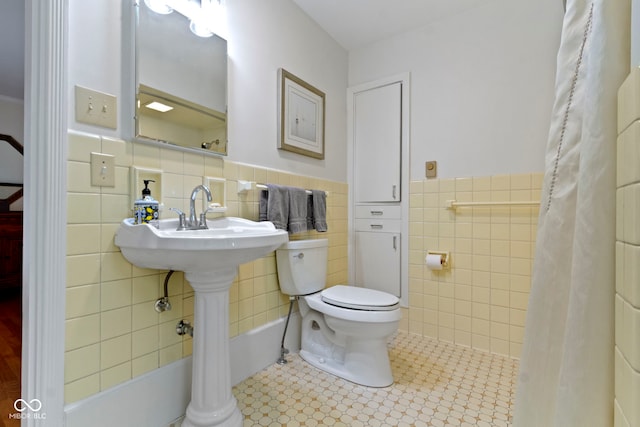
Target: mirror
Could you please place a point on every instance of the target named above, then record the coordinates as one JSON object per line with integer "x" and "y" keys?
{"x": 185, "y": 75}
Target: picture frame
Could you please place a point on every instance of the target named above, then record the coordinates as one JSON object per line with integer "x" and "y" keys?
{"x": 301, "y": 116}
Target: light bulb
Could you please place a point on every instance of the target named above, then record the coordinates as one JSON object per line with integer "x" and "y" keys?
{"x": 199, "y": 28}
{"x": 158, "y": 6}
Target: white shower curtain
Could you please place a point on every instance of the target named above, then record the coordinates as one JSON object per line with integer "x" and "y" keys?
{"x": 566, "y": 368}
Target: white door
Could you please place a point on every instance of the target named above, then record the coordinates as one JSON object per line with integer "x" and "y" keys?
{"x": 378, "y": 261}
{"x": 377, "y": 143}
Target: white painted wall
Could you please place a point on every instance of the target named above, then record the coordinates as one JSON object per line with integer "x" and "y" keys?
{"x": 482, "y": 85}
{"x": 11, "y": 123}
{"x": 263, "y": 36}
{"x": 11, "y": 117}
{"x": 94, "y": 54}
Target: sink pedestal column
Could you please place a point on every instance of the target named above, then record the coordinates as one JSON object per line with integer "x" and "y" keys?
{"x": 212, "y": 403}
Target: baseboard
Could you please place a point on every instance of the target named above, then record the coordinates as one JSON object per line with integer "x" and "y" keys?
{"x": 153, "y": 399}
{"x": 161, "y": 396}
{"x": 255, "y": 350}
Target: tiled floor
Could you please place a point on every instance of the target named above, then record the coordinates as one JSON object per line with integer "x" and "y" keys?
{"x": 436, "y": 384}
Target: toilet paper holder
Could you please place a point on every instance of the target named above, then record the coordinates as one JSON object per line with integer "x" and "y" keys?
{"x": 445, "y": 258}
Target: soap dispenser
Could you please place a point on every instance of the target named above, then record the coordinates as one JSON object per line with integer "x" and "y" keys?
{"x": 145, "y": 210}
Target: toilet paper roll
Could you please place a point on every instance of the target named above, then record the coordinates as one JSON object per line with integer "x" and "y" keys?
{"x": 434, "y": 261}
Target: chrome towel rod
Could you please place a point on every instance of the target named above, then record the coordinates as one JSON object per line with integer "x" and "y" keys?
{"x": 452, "y": 204}
{"x": 244, "y": 186}
{"x": 264, "y": 187}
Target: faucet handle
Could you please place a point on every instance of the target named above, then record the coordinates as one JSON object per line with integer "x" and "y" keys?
{"x": 203, "y": 220}
{"x": 181, "y": 219}
{"x": 203, "y": 216}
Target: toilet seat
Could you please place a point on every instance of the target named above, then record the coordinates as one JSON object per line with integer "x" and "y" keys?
{"x": 315, "y": 302}
{"x": 356, "y": 298}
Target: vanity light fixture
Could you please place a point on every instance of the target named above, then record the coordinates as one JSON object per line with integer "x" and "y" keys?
{"x": 203, "y": 15}
{"x": 159, "y": 106}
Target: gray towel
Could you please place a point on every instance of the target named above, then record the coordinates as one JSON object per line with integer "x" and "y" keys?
{"x": 310, "y": 225}
{"x": 262, "y": 206}
{"x": 297, "y": 210}
{"x": 319, "y": 199}
{"x": 274, "y": 206}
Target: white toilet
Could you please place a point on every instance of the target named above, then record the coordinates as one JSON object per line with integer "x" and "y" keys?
{"x": 344, "y": 328}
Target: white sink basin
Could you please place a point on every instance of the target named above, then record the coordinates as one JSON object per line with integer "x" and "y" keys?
{"x": 228, "y": 241}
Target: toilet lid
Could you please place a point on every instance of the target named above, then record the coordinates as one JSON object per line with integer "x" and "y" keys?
{"x": 359, "y": 298}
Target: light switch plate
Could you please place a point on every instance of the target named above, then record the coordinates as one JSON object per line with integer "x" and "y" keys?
{"x": 96, "y": 108}
{"x": 103, "y": 173}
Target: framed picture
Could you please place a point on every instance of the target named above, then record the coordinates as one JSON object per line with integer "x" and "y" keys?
{"x": 300, "y": 116}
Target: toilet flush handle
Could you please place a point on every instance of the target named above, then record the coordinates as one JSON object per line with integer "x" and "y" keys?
{"x": 299, "y": 256}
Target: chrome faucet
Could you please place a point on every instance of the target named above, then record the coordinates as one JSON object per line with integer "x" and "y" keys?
{"x": 193, "y": 223}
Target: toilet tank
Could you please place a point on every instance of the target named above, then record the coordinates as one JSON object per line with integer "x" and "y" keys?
{"x": 302, "y": 266}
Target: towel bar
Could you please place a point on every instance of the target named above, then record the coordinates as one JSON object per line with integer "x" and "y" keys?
{"x": 452, "y": 204}
{"x": 244, "y": 186}
{"x": 264, "y": 187}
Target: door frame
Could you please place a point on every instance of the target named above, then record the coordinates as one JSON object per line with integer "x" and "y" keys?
{"x": 45, "y": 211}
{"x": 404, "y": 79}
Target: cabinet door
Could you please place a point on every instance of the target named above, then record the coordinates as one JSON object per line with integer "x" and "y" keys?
{"x": 378, "y": 261}
{"x": 377, "y": 144}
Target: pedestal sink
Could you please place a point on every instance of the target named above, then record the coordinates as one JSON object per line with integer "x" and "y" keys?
{"x": 209, "y": 258}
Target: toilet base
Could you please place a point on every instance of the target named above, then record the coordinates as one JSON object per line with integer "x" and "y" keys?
{"x": 367, "y": 365}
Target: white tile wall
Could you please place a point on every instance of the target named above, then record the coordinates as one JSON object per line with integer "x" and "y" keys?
{"x": 113, "y": 332}
{"x": 481, "y": 301}
{"x": 627, "y": 351}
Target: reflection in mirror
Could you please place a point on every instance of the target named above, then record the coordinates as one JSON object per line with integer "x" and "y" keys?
{"x": 181, "y": 83}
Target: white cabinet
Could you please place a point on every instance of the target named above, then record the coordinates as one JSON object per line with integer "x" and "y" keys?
{"x": 377, "y": 134}
{"x": 378, "y": 248}
{"x": 379, "y": 212}
{"x": 378, "y": 261}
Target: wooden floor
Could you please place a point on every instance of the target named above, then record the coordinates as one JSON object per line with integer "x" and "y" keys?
{"x": 10, "y": 353}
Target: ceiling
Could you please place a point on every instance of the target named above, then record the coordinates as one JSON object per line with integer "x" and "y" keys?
{"x": 352, "y": 23}
{"x": 356, "y": 23}
{"x": 12, "y": 48}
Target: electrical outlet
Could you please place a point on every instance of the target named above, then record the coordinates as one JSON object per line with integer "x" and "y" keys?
{"x": 431, "y": 169}
{"x": 96, "y": 108}
{"x": 103, "y": 172}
